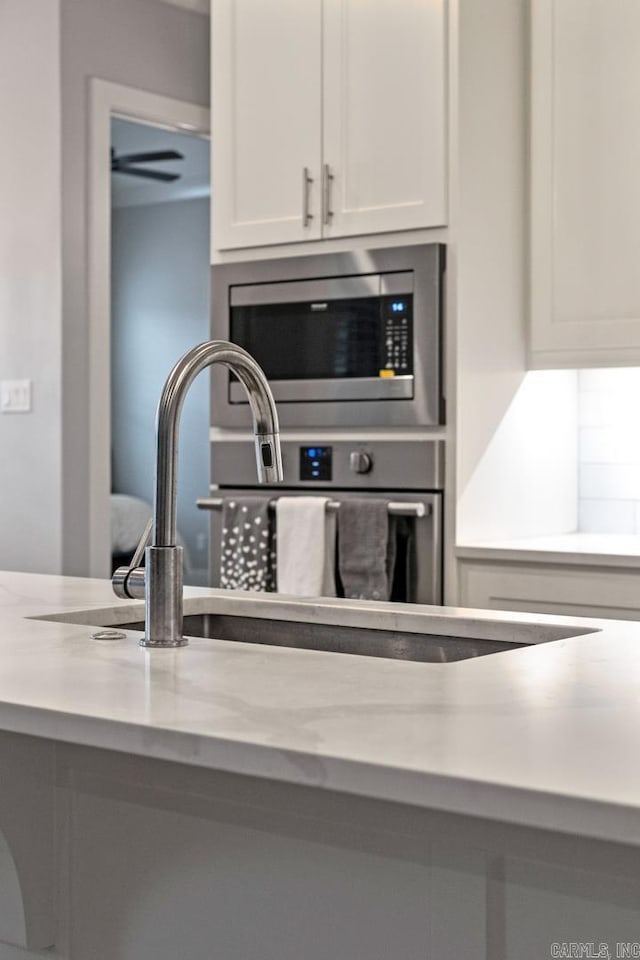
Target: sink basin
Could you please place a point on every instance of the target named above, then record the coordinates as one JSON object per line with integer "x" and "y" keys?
{"x": 386, "y": 643}
{"x": 409, "y": 632}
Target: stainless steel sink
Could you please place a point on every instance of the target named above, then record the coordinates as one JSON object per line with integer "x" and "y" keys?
{"x": 389, "y": 644}
{"x": 409, "y": 632}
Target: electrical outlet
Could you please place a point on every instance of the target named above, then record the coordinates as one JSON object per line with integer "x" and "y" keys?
{"x": 15, "y": 396}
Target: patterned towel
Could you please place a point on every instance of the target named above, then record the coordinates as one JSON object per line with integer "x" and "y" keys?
{"x": 247, "y": 558}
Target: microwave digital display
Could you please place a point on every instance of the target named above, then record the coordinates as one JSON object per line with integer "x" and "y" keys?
{"x": 348, "y": 338}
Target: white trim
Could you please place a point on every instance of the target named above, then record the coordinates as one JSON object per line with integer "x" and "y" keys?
{"x": 198, "y": 6}
{"x": 106, "y": 100}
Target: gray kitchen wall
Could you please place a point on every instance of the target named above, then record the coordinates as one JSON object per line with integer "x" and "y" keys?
{"x": 30, "y": 253}
{"x": 139, "y": 43}
{"x": 49, "y": 51}
{"x": 159, "y": 309}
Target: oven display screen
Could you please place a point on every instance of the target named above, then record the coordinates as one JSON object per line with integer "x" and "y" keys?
{"x": 315, "y": 463}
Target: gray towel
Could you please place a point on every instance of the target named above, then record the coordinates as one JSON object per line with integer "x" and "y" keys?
{"x": 366, "y": 548}
{"x": 247, "y": 557}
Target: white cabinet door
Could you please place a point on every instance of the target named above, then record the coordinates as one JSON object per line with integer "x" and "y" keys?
{"x": 585, "y": 171}
{"x": 576, "y": 591}
{"x": 384, "y": 84}
{"x": 266, "y": 104}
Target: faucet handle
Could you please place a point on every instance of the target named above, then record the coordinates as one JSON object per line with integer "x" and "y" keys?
{"x": 268, "y": 457}
{"x": 136, "y": 560}
{"x": 128, "y": 582}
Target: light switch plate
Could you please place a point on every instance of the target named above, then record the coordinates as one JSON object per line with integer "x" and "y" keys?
{"x": 15, "y": 396}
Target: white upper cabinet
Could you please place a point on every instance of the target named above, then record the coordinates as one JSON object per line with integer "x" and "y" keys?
{"x": 329, "y": 118}
{"x": 585, "y": 180}
{"x": 265, "y": 136}
{"x": 384, "y": 115}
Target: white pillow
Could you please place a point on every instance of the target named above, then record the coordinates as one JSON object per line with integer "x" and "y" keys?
{"x": 129, "y": 517}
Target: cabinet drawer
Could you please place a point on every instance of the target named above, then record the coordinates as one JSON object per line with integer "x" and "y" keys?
{"x": 551, "y": 588}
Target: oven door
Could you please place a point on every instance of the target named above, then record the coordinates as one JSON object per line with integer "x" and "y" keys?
{"x": 417, "y": 527}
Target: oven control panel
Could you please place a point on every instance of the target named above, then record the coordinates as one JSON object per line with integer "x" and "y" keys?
{"x": 334, "y": 461}
{"x": 316, "y": 463}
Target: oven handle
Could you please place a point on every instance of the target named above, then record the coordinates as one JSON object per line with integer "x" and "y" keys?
{"x": 396, "y": 507}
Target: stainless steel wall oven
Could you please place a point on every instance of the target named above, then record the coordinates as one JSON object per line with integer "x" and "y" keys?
{"x": 348, "y": 339}
{"x": 408, "y": 475}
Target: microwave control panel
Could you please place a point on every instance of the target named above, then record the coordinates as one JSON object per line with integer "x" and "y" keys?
{"x": 398, "y": 336}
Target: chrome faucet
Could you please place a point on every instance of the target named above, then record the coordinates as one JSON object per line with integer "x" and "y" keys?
{"x": 160, "y": 580}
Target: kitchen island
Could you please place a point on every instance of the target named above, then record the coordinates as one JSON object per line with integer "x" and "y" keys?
{"x": 250, "y": 802}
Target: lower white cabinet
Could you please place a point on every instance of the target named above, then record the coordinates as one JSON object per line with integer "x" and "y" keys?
{"x": 556, "y": 588}
{"x": 158, "y": 861}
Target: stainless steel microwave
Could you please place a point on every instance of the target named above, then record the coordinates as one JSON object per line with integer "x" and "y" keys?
{"x": 345, "y": 339}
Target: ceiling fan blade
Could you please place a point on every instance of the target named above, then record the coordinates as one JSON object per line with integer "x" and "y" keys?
{"x": 150, "y": 157}
{"x": 147, "y": 174}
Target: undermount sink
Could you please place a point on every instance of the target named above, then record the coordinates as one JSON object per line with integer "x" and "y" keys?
{"x": 409, "y": 632}
{"x": 389, "y": 644}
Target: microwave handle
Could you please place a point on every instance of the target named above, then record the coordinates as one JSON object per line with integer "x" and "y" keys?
{"x": 307, "y": 180}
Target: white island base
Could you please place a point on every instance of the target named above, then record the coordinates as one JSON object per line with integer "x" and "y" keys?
{"x": 158, "y": 861}
{"x": 231, "y": 801}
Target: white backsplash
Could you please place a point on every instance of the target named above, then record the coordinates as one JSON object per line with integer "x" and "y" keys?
{"x": 609, "y": 450}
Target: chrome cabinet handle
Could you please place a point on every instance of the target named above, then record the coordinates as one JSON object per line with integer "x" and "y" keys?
{"x": 327, "y": 183}
{"x": 307, "y": 180}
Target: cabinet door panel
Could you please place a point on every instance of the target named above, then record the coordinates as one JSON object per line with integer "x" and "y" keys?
{"x": 548, "y": 588}
{"x": 266, "y": 102}
{"x": 585, "y": 181}
{"x": 384, "y": 114}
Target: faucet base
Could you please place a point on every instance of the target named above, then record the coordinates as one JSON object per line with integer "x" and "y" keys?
{"x": 163, "y": 595}
{"x": 182, "y": 642}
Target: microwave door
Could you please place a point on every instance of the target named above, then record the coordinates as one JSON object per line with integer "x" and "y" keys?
{"x": 315, "y": 345}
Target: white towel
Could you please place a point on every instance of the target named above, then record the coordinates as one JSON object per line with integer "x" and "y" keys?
{"x": 306, "y": 547}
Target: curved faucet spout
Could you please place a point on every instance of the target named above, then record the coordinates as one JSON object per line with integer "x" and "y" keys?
{"x": 161, "y": 578}
{"x": 265, "y": 425}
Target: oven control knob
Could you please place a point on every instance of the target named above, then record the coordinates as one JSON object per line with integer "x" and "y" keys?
{"x": 360, "y": 462}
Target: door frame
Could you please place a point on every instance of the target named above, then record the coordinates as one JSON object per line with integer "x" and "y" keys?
{"x": 108, "y": 100}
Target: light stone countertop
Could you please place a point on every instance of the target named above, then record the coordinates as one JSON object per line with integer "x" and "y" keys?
{"x": 581, "y": 549}
{"x": 545, "y": 736}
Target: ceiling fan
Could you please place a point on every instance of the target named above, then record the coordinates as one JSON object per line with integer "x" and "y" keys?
{"x": 128, "y": 164}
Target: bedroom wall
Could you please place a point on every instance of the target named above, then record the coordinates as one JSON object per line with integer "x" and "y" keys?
{"x": 160, "y": 308}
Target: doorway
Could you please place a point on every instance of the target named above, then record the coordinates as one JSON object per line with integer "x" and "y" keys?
{"x": 158, "y": 114}
{"x": 160, "y": 214}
